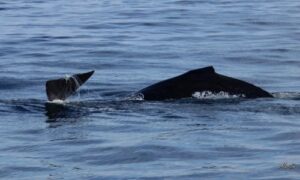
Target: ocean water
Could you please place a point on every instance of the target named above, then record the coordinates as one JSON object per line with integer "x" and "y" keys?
{"x": 102, "y": 133}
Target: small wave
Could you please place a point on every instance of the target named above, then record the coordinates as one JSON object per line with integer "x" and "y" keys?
{"x": 218, "y": 95}
{"x": 287, "y": 95}
{"x": 21, "y": 105}
{"x": 136, "y": 97}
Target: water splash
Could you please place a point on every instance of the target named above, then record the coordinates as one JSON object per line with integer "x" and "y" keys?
{"x": 77, "y": 81}
{"x": 218, "y": 95}
{"x": 136, "y": 97}
{"x": 71, "y": 89}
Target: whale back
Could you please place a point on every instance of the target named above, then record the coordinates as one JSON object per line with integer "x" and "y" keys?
{"x": 199, "y": 80}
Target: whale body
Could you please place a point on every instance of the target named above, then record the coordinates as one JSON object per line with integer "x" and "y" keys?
{"x": 182, "y": 86}
{"x": 201, "y": 80}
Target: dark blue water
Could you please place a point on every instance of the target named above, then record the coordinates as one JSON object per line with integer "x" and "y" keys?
{"x": 103, "y": 134}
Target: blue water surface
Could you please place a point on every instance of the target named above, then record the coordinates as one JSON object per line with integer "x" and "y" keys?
{"x": 101, "y": 133}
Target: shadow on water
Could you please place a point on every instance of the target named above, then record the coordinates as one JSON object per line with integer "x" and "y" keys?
{"x": 76, "y": 110}
{"x": 56, "y": 112}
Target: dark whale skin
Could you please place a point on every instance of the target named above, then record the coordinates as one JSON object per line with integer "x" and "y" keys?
{"x": 199, "y": 80}
{"x": 62, "y": 88}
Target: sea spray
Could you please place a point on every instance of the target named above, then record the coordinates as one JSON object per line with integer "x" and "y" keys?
{"x": 216, "y": 95}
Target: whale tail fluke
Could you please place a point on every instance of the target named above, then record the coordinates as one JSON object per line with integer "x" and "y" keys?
{"x": 62, "y": 88}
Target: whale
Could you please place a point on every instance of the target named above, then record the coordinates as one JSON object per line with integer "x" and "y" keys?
{"x": 62, "y": 88}
{"x": 201, "y": 80}
{"x": 182, "y": 86}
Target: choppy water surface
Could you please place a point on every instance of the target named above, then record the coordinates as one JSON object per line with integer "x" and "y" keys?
{"x": 102, "y": 133}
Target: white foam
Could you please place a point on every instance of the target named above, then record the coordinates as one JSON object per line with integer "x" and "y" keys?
{"x": 136, "y": 97}
{"x": 57, "y": 101}
{"x": 219, "y": 95}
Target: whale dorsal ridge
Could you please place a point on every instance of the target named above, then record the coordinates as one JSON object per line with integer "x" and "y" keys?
{"x": 205, "y": 70}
